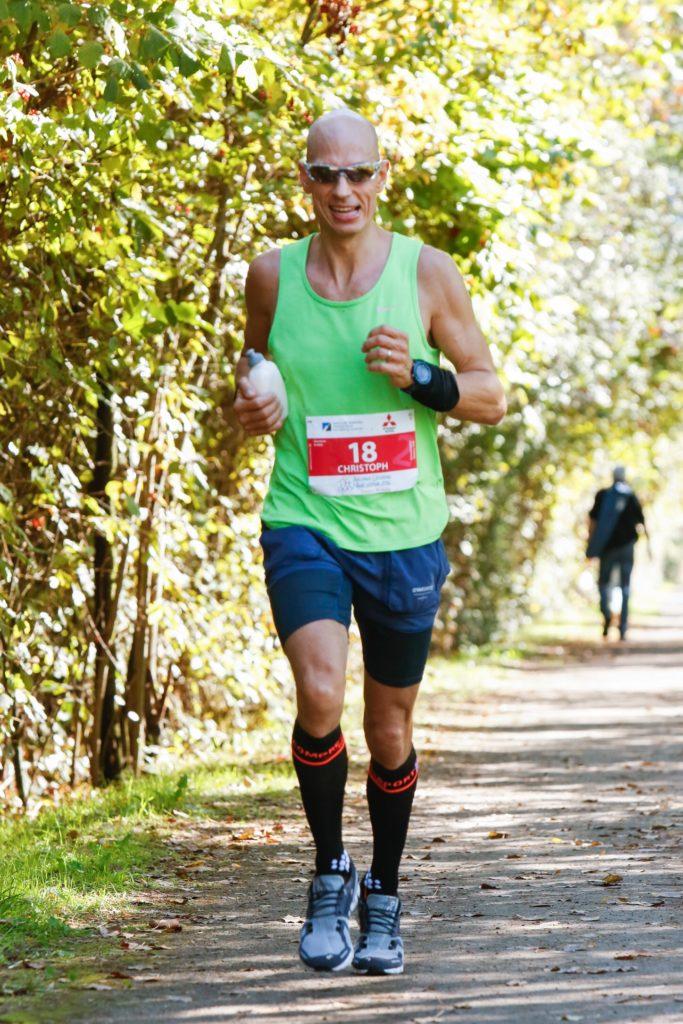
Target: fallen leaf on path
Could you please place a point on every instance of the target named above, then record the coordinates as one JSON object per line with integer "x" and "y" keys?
{"x": 242, "y": 837}
{"x": 589, "y": 970}
{"x": 632, "y": 956}
{"x": 116, "y": 973}
{"x": 612, "y": 879}
{"x": 167, "y": 924}
{"x": 488, "y": 885}
{"x": 133, "y": 946}
{"x": 497, "y": 835}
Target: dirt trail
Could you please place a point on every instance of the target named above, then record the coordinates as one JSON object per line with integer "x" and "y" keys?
{"x": 579, "y": 768}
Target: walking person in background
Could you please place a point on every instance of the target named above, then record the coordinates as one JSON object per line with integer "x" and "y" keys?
{"x": 612, "y": 534}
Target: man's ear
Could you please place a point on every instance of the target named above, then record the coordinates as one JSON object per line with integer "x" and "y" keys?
{"x": 304, "y": 180}
{"x": 383, "y": 175}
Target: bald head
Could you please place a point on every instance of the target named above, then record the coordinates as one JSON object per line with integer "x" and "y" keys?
{"x": 342, "y": 137}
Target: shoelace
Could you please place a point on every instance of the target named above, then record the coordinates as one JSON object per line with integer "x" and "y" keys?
{"x": 380, "y": 920}
{"x": 325, "y": 904}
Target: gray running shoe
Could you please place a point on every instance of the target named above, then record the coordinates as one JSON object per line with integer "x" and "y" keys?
{"x": 325, "y": 939}
{"x": 379, "y": 949}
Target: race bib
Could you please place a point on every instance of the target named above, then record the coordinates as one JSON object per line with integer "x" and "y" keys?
{"x": 361, "y": 454}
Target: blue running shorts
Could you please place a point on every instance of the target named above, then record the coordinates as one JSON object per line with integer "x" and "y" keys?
{"x": 394, "y": 594}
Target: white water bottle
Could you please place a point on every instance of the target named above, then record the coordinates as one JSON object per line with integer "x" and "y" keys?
{"x": 266, "y": 379}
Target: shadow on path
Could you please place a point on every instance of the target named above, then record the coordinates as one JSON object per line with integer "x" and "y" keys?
{"x": 541, "y": 882}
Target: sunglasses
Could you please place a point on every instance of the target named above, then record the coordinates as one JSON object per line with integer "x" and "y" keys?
{"x": 323, "y": 174}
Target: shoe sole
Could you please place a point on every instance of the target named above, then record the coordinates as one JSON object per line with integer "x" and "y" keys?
{"x": 376, "y": 971}
{"x": 329, "y": 970}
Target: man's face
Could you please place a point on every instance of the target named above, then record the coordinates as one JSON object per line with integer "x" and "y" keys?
{"x": 344, "y": 206}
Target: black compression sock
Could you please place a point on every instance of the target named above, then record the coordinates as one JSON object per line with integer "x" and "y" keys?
{"x": 390, "y": 799}
{"x": 321, "y": 765}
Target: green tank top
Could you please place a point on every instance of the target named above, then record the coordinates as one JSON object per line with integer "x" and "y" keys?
{"x": 316, "y": 344}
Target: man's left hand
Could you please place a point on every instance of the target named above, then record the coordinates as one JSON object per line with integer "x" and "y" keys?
{"x": 386, "y": 351}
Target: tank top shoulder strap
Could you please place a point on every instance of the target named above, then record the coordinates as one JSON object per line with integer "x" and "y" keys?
{"x": 403, "y": 281}
{"x": 290, "y": 291}
{"x": 292, "y": 262}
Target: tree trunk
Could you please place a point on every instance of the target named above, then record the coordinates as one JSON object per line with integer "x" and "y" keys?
{"x": 102, "y": 748}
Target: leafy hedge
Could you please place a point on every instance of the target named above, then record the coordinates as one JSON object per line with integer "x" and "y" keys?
{"x": 147, "y": 154}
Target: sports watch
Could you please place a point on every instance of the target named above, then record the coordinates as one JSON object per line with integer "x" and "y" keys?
{"x": 421, "y": 372}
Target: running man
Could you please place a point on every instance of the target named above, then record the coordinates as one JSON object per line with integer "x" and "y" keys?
{"x": 613, "y": 524}
{"x": 355, "y": 317}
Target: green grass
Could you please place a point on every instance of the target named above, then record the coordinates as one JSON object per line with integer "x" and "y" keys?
{"x": 73, "y": 867}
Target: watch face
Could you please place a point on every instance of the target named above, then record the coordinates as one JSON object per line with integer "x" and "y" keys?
{"x": 422, "y": 373}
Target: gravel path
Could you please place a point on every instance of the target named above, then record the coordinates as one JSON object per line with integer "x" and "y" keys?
{"x": 542, "y": 879}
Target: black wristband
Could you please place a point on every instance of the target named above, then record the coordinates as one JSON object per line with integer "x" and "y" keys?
{"x": 441, "y": 393}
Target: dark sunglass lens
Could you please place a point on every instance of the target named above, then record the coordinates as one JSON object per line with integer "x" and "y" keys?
{"x": 324, "y": 175}
{"x": 363, "y": 173}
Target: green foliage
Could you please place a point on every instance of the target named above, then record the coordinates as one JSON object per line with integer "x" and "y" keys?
{"x": 87, "y": 860}
{"x": 147, "y": 154}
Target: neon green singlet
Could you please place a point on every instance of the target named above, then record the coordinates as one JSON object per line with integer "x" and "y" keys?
{"x": 316, "y": 343}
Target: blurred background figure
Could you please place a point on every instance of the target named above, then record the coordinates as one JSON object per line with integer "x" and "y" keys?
{"x": 612, "y": 534}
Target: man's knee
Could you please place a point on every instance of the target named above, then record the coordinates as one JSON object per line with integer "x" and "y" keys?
{"x": 320, "y": 695}
{"x": 389, "y": 736}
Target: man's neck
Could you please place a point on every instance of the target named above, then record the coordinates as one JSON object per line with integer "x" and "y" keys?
{"x": 345, "y": 259}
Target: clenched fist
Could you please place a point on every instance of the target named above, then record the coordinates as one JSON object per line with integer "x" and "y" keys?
{"x": 387, "y": 351}
{"x": 257, "y": 414}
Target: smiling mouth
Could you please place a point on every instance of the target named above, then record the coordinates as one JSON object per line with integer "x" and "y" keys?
{"x": 344, "y": 209}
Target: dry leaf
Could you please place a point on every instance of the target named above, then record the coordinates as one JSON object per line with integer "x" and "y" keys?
{"x": 247, "y": 833}
{"x": 498, "y": 835}
{"x": 611, "y": 879}
{"x": 167, "y": 924}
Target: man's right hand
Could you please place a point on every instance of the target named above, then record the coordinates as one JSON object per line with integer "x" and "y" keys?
{"x": 257, "y": 414}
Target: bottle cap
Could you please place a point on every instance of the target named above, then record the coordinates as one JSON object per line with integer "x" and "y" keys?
{"x": 254, "y": 357}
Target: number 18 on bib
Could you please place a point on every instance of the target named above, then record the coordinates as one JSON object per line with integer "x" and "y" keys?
{"x": 361, "y": 454}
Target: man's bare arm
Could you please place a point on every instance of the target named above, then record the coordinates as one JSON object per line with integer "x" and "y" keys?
{"x": 258, "y": 414}
{"x": 260, "y": 297}
{"x": 457, "y": 334}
